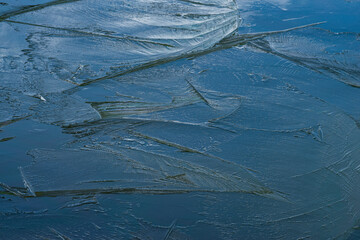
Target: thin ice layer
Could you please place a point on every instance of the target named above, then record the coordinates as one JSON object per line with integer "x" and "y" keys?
{"x": 93, "y": 40}
{"x": 156, "y": 94}
{"x": 335, "y": 54}
{"x": 132, "y": 170}
{"x": 296, "y": 129}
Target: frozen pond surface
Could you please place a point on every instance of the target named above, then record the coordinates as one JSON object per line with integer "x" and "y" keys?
{"x": 179, "y": 119}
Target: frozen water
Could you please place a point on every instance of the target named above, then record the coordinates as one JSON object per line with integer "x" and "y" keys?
{"x": 179, "y": 119}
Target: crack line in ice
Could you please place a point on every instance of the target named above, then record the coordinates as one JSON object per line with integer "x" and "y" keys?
{"x": 225, "y": 43}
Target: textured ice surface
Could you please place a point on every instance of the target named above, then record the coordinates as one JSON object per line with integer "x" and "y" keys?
{"x": 169, "y": 120}
{"x": 117, "y": 35}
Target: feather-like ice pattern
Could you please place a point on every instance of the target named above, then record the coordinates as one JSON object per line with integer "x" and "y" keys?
{"x": 334, "y": 54}
{"x": 131, "y": 170}
{"x": 232, "y": 143}
{"x": 55, "y": 45}
{"x": 110, "y": 36}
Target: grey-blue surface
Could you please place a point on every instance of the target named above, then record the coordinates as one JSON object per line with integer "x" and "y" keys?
{"x": 179, "y": 119}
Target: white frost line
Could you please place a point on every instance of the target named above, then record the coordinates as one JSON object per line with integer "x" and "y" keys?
{"x": 27, "y": 184}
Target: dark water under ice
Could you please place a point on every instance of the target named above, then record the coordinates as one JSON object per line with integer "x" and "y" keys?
{"x": 179, "y": 119}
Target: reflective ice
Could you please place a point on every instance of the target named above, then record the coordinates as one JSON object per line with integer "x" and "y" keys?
{"x": 179, "y": 119}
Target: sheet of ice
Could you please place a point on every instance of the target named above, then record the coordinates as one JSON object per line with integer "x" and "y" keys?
{"x": 168, "y": 126}
{"x": 132, "y": 170}
{"x": 335, "y": 54}
{"x": 90, "y": 39}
